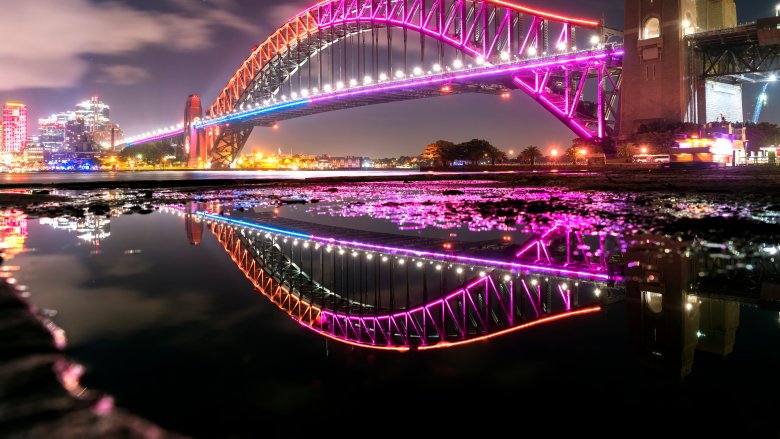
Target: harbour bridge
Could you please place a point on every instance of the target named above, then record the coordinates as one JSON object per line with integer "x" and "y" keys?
{"x": 395, "y": 292}
{"x": 391, "y": 292}
{"x": 601, "y": 83}
{"x": 342, "y": 54}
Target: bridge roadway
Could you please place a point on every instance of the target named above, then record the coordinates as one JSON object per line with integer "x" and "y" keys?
{"x": 489, "y": 254}
{"x": 382, "y": 294}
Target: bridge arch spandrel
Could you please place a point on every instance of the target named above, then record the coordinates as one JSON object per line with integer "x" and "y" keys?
{"x": 486, "y": 29}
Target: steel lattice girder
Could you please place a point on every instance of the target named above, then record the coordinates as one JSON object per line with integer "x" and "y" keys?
{"x": 479, "y": 310}
{"x": 482, "y": 28}
{"x": 739, "y": 59}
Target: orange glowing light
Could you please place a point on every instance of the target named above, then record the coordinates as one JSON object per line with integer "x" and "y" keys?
{"x": 446, "y": 344}
{"x": 446, "y": 89}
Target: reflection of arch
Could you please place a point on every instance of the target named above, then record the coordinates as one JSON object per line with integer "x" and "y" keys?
{"x": 651, "y": 29}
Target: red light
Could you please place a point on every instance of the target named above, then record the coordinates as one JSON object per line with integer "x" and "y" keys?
{"x": 505, "y": 95}
{"x": 446, "y": 89}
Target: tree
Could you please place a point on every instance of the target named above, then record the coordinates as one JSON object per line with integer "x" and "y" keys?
{"x": 571, "y": 153}
{"x": 435, "y": 152}
{"x": 476, "y": 149}
{"x": 152, "y": 152}
{"x": 530, "y": 154}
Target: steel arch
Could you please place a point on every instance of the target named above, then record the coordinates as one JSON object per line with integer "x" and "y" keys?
{"x": 479, "y": 310}
{"x": 489, "y": 25}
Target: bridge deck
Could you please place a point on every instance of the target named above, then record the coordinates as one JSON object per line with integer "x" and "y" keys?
{"x": 495, "y": 249}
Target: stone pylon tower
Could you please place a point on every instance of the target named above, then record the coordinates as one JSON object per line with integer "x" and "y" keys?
{"x": 658, "y": 82}
{"x": 195, "y": 144}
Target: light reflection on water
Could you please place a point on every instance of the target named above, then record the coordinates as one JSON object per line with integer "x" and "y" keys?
{"x": 172, "y": 330}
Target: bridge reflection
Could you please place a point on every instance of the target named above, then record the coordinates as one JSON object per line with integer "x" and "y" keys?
{"x": 396, "y": 298}
{"x": 680, "y": 304}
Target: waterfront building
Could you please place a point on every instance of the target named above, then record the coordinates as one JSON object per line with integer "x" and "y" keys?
{"x": 14, "y": 127}
{"x": 52, "y": 130}
{"x": 107, "y": 139}
{"x": 95, "y": 114}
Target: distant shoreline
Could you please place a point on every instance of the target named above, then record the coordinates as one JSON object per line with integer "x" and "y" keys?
{"x": 760, "y": 180}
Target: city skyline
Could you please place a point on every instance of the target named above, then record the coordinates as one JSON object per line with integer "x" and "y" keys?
{"x": 205, "y": 43}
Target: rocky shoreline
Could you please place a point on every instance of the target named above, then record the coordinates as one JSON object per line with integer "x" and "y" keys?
{"x": 724, "y": 180}
{"x": 40, "y": 394}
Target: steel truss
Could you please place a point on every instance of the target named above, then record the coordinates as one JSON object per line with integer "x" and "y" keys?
{"x": 486, "y": 31}
{"x": 493, "y": 304}
{"x": 734, "y": 53}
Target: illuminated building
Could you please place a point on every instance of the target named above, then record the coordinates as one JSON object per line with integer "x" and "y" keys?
{"x": 52, "y": 131}
{"x": 108, "y": 138}
{"x": 722, "y": 145}
{"x": 13, "y": 231}
{"x": 14, "y": 127}
{"x": 94, "y": 113}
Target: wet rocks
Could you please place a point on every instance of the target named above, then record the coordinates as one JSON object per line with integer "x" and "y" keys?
{"x": 39, "y": 391}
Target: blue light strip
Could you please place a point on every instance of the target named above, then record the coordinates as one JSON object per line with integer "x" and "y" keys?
{"x": 227, "y": 119}
{"x": 256, "y": 226}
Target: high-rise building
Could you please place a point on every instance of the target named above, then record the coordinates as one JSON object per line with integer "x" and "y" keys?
{"x": 52, "y": 131}
{"x": 14, "y": 127}
{"x": 76, "y": 138}
{"x": 107, "y": 139}
{"x": 95, "y": 114}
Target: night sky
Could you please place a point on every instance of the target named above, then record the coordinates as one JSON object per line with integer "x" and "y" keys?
{"x": 143, "y": 57}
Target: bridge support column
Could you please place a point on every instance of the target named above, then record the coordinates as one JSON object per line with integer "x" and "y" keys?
{"x": 228, "y": 143}
{"x": 659, "y": 81}
{"x": 195, "y": 144}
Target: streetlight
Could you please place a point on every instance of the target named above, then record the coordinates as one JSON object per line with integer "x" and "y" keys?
{"x": 554, "y": 154}
{"x": 644, "y": 150}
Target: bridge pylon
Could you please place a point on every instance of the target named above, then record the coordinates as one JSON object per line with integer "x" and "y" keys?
{"x": 662, "y": 80}
{"x": 195, "y": 144}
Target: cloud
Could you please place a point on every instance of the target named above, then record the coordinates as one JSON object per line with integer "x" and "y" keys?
{"x": 48, "y": 49}
{"x": 122, "y": 74}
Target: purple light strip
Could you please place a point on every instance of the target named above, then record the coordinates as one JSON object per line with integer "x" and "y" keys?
{"x": 157, "y": 137}
{"x": 448, "y": 77}
{"x": 444, "y": 78}
{"x": 463, "y": 259}
{"x": 418, "y": 253}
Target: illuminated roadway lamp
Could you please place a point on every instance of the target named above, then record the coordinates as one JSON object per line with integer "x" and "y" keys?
{"x": 595, "y": 40}
{"x": 294, "y": 95}
{"x": 436, "y": 68}
{"x": 773, "y": 77}
{"x": 480, "y": 60}
{"x": 353, "y": 82}
{"x": 368, "y": 80}
{"x": 532, "y": 51}
{"x": 399, "y": 74}
{"x": 327, "y": 88}
{"x": 504, "y": 56}
{"x": 562, "y": 46}
{"x": 304, "y": 92}
{"x": 458, "y": 64}
{"x": 383, "y": 77}
{"x": 418, "y": 71}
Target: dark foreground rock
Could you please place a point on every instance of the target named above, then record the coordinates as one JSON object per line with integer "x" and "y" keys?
{"x": 40, "y": 394}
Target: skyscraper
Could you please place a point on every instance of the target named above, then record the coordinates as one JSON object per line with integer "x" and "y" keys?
{"x": 14, "y": 127}
{"x": 95, "y": 114}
